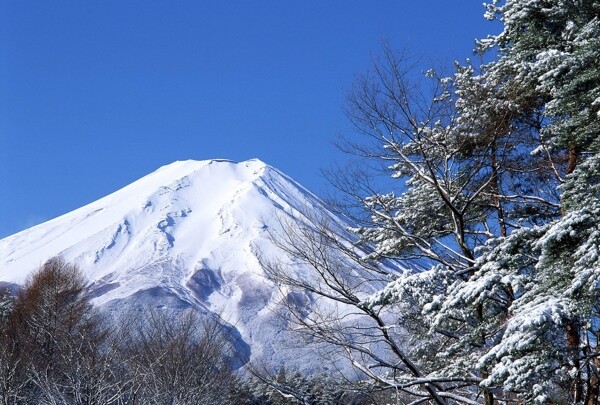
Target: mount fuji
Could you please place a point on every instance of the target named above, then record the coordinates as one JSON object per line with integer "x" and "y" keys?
{"x": 189, "y": 235}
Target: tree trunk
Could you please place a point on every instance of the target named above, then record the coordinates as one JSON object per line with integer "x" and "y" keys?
{"x": 496, "y": 191}
{"x": 488, "y": 397}
{"x": 573, "y": 156}
{"x": 573, "y": 342}
{"x": 573, "y": 345}
{"x": 594, "y": 387}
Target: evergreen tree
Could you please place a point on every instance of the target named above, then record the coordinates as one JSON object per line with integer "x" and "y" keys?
{"x": 496, "y": 217}
{"x": 523, "y": 317}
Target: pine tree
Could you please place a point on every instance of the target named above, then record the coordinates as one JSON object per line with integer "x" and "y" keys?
{"x": 519, "y": 301}
{"x": 493, "y": 218}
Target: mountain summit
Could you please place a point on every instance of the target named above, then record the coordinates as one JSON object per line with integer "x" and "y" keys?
{"x": 189, "y": 234}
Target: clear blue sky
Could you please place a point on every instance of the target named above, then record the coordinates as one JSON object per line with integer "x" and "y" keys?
{"x": 95, "y": 94}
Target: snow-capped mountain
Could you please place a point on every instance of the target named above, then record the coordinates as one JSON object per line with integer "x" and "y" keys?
{"x": 187, "y": 235}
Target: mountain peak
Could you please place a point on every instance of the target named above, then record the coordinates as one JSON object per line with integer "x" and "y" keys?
{"x": 180, "y": 193}
{"x": 191, "y": 163}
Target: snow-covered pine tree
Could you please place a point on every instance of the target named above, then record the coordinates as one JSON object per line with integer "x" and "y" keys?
{"x": 495, "y": 212}
{"x": 520, "y": 312}
{"x": 547, "y": 52}
{"x": 468, "y": 178}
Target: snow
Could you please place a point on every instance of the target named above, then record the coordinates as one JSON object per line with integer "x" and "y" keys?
{"x": 194, "y": 229}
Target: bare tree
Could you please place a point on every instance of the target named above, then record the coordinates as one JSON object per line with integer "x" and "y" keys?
{"x": 56, "y": 348}
{"x": 334, "y": 279}
{"x": 13, "y": 378}
{"x": 177, "y": 358}
{"x": 55, "y": 344}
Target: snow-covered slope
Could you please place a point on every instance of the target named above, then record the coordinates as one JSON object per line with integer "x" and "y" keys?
{"x": 188, "y": 234}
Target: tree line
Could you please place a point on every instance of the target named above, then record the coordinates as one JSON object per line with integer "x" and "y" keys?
{"x": 56, "y": 348}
